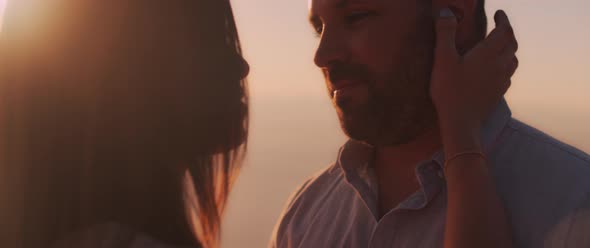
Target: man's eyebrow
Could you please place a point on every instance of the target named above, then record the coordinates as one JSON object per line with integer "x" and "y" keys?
{"x": 340, "y": 4}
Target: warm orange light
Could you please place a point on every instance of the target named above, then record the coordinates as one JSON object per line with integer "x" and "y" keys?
{"x": 31, "y": 23}
{"x": 2, "y": 6}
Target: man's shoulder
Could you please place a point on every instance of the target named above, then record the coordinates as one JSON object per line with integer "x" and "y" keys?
{"x": 522, "y": 142}
{"x": 531, "y": 156}
{"x": 542, "y": 181}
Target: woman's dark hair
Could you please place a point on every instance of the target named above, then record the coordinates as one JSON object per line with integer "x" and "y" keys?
{"x": 133, "y": 112}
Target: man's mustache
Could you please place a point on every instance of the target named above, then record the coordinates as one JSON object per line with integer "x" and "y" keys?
{"x": 346, "y": 71}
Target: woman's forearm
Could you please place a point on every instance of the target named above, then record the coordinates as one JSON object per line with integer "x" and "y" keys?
{"x": 475, "y": 214}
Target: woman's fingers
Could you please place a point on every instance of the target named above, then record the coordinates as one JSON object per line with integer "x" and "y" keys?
{"x": 507, "y": 57}
{"x": 507, "y": 64}
{"x": 446, "y": 30}
{"x": 513, "y": 66}
{"x": 503, "y": 45}
{"x": 502, "y": 36}
{"x": 508, "y": 71}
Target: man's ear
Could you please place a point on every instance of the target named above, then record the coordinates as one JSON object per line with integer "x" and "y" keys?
{"x": 464, "y": 10}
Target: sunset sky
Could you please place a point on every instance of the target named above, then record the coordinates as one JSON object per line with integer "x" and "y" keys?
{"x": 294, "y": 130}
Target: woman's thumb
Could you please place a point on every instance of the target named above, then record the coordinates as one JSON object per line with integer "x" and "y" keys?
{"x": 446, "y": 29}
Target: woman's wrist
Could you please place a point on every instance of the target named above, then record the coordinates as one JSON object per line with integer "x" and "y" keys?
{"x": 460, "y": 137}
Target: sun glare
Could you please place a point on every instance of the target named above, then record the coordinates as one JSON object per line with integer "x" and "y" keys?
{"x": 2, "y": 5}
{"x": 32, "y": 22}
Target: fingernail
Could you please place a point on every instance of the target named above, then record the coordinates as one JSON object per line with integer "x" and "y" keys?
{"x": 446, "y": 12}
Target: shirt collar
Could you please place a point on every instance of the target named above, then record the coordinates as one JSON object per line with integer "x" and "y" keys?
{"x": 353, "y": 159}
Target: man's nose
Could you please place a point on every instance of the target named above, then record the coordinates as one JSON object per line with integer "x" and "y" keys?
{"x": 332, "y": 49}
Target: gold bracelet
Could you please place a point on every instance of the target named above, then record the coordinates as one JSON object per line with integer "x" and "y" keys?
{"x": 477, "y": 153}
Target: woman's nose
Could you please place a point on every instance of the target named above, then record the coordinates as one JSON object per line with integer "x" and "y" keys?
{"x": 244, "y": 68}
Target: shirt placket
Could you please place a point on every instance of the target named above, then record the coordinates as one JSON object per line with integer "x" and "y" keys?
{"x": 431, "y": 178}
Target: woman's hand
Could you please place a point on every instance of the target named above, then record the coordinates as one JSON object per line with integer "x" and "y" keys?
{"x": 466, "y": 88}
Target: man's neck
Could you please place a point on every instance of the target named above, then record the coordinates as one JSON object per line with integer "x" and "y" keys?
{"x": 408, "y": 155}
{"x": 395, "y": 168}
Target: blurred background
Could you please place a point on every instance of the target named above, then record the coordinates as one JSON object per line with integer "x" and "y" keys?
{"x": 294, "y": 130}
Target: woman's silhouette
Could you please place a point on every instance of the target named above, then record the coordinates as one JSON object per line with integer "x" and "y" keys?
{"x": 119, "y": 113}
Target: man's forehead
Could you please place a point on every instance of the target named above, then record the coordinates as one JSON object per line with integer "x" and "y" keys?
{"x": 314, "y": 5}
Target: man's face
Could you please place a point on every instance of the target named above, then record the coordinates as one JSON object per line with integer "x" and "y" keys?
{"x": 376, "y": 56}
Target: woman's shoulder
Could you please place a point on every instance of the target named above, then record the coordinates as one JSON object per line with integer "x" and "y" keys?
{"x": 110, "y": 235}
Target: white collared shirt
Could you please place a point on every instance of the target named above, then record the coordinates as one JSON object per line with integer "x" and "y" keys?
{"x": 543, "y": 183}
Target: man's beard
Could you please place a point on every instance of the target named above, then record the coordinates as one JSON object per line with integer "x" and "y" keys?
{"x": 401, "y": 109}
